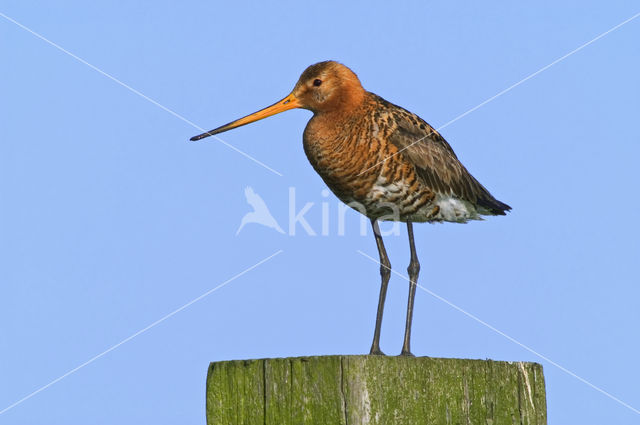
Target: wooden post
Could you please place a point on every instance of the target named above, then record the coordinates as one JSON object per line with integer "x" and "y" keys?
{"x": 352, "y": 390}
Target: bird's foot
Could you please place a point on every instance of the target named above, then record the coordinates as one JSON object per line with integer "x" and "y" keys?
{"x": 376, "y": 352}
{"x": 406, "y": 353}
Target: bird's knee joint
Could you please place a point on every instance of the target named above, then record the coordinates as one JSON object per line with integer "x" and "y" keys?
{"x": 385, "y": 270}
{"x": 414, "y": 268}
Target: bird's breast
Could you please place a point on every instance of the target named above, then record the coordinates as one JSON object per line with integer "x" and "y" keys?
{"x": 366, "y": 172}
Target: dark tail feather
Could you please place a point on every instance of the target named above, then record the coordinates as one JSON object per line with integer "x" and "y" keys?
{"x": 494, "y": 206}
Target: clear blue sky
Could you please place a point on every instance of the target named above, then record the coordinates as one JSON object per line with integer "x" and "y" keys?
{"x": 110, "y": 219}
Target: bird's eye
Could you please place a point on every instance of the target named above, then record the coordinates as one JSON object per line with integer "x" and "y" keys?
{"x": 317, "y": 82}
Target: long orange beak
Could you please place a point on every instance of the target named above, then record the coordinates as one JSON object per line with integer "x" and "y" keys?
{"x": 285, "y": 104}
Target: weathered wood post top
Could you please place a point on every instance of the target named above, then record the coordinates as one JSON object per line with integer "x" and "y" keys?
{"x": 351, "y": 390}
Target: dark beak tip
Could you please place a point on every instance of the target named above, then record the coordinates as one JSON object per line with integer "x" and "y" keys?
{"x": 201, "y": 136}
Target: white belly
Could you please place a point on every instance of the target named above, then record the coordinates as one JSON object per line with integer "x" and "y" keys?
{"x": 452, "y": 209}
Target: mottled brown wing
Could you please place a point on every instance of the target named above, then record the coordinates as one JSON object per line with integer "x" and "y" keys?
{"x": 435, "y": 161}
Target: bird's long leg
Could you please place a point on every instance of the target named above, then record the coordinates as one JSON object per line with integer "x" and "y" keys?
{"x": 385, "y": 273}
{"x": 413, "y": 269}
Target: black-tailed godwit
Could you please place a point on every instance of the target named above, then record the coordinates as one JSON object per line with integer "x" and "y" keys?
{"x": 381, "y": 159}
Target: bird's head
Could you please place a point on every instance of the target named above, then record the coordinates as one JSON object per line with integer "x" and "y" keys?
{"x": 324, "y": 87}
{"x": 328, "y": 86}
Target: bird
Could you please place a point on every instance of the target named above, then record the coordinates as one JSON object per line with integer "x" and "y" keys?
{"x": 260, "y": 213}
{"x": 383, "y": 161}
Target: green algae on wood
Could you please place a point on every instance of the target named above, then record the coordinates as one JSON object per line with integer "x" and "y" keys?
{"x": 375, "y": 390}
